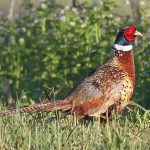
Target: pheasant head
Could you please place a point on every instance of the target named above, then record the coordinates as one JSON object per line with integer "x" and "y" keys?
{"x": 124, "y": 39}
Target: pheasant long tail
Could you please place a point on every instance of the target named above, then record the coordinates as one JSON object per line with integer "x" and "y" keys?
{"x": 42, "y": 107}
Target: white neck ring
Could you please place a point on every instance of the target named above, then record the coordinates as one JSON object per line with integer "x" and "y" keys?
{"x": 122, "y": 48}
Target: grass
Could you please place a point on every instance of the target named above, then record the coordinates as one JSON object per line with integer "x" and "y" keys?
{"x": 56, "y": 131}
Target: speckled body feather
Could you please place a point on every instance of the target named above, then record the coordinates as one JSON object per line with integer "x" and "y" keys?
{"x": 111, "y": 84}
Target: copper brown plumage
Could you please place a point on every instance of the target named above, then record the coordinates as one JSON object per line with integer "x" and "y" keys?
{"x": 110, "y": 85}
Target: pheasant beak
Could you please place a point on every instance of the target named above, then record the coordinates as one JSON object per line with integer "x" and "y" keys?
{"x": 137, "y": 33}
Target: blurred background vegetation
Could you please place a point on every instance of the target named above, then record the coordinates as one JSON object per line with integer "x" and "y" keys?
{"x": 58, "y": 42}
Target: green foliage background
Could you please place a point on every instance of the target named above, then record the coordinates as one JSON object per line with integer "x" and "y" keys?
{"x": 58, "y": 47}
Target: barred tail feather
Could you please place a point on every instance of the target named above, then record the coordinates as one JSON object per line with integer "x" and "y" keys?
{"x": 63, "y": 105}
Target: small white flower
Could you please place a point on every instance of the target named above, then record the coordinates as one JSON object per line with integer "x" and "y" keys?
{"x": 21, "y": 40}
{"x": 35, "y": 21}
{"x": 95, "y": 8}
{"x": 72, "y": 23}
{"x": 78, "y": 65}
{"x": 127, "y": 2}
{"x": 67, "y": 7}
{"x": 142, "y": 3}
{"x": 101, "y": 3}
{"x": 48, "y": 48}
{"x": 83, "y": 25}
{"x": 62, "y": 11}
{"x": 62, "y": 46}
{"x": 103, "y": 16}
{"x": 24, "y": 29}
{"x": 43, "y": 6}
{"x": 75, "y": 10}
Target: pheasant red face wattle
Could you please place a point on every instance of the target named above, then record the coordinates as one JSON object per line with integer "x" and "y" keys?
{"x": 130, "y": 33}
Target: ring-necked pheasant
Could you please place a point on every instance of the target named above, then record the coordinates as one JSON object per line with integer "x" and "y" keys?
{"x": 110, "y": 85}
